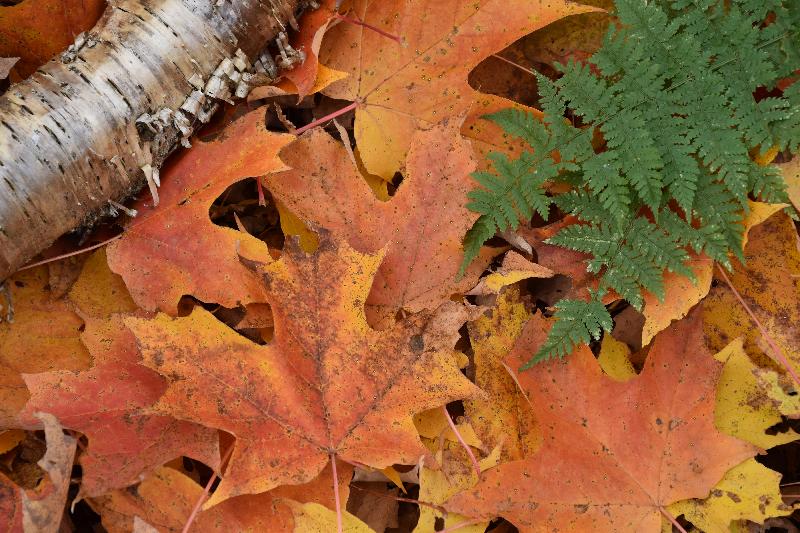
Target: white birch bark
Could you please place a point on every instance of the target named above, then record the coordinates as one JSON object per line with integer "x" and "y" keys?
{"x": 96, "y": 124}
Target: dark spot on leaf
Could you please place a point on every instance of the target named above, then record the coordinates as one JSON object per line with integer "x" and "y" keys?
{"x": 416, "y": 344}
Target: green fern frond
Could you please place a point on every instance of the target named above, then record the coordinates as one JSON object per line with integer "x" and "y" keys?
{"x": 576, "y": 322}
{"x": 672, "y": 95}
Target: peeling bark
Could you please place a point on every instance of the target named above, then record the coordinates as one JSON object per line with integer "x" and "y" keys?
{"x": 96, "y": 124}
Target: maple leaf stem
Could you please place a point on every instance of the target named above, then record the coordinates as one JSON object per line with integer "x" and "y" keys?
{"x": 203, "y": 497}
{"x": 777, "y": 354}
{"x": 326, "y": 118}
{"x": 672, "y": 519}
{"x": 464, "y": 444}
{"x": 339, "y": 528}
{"x": 358, "y": 22}
{"x": 262, "y": 201}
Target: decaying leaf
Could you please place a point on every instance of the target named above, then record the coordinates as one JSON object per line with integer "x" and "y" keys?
{"x": 40, "y": 509}
{"x": 751, "y": 400}
{"x": 44, "y": 336}
{"x": 769, "y": 283}
{"x": 748, "y": 491}
{"x": 322, "y": 387}
{"x": 613, "y": 454}
{"x": 175, "y": 249}
{"x": 422, "y": 225}
{"x": 504, "y": 417}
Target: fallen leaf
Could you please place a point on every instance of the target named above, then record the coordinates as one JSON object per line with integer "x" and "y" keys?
{"x": 44, "y": 336}
{"x": 455, "y": 475}
{"x": 400, "y": 88}
{"x": 680, "y": 295}
{"x": 751, "y": 400}
{"x": 614, "y": 454}
{"x": 175, "y": 249}
{"x": 376, "y": 505}
{"x": 41, "y": 508}
{"x": 313, "y": 26}
{"x": 791, "y": 176}
{"x": 166, "y": 498}
{"x": 37, "y": 30}
{"x": 615, "y": 359}
{"x": 322, "y": 387}
{"x": 422, "y": 225}
{"x": 504, "y": 417}
{"x": 748, "y": 491}
{"x": 108, "y": 403}
{"x": 770, "y": 284}
{"x": 6, "y": 64}
{"x": 514, "y": 268}
{"x": 315, "y": 518}
{"x": 98, "y": 292}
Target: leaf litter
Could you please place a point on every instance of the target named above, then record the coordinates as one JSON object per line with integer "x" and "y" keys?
{"x": 292, "y": 300}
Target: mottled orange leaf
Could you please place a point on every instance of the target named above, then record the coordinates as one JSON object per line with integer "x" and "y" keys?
{"x": 108, "y": 403}
{"x": 165, "y": 499}
{"x": 614, "y": 453}
{"x": 44, "y": 336}
{"x": 37, "y": 30}
{"x": 326, "y": 384}
{"x": 422, "y": 225}
{"x": 175, "y": 249}
{"x": 400, "y": 88}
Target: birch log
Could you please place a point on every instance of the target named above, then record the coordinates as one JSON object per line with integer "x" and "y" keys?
{"x": 96, "y": 124}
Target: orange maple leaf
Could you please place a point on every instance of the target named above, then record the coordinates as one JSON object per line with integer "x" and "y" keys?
{"x": 614, "y": 454}
{"x": 175, "y": 248}
{"x": 108, "y": 404}
{"x": 423, "y": 223}
{"x": 327, "y": 385}
{"x": 399, "y": 88}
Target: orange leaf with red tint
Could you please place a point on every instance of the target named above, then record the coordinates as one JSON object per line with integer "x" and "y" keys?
{"x": 175, "y": 249}
{"x": 325, "y": 384}
{"x": 108, "y": 404}
{"x": 614, "y": 454}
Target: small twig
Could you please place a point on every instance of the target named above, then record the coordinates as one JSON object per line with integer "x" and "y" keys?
{"x": 326, "y": 118}
{"x": 515, "y": 64}
{"x": 402, "y": 499}
{"x": 339, "y": 527}
{"x": 777, "y": 354}
{"x": 377, "y": 30}
{"x": 672, "y": 519}
{"x": 203, "y": 497}
{"x": 76, "y": 252}
{"x": 472, "y": 458}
